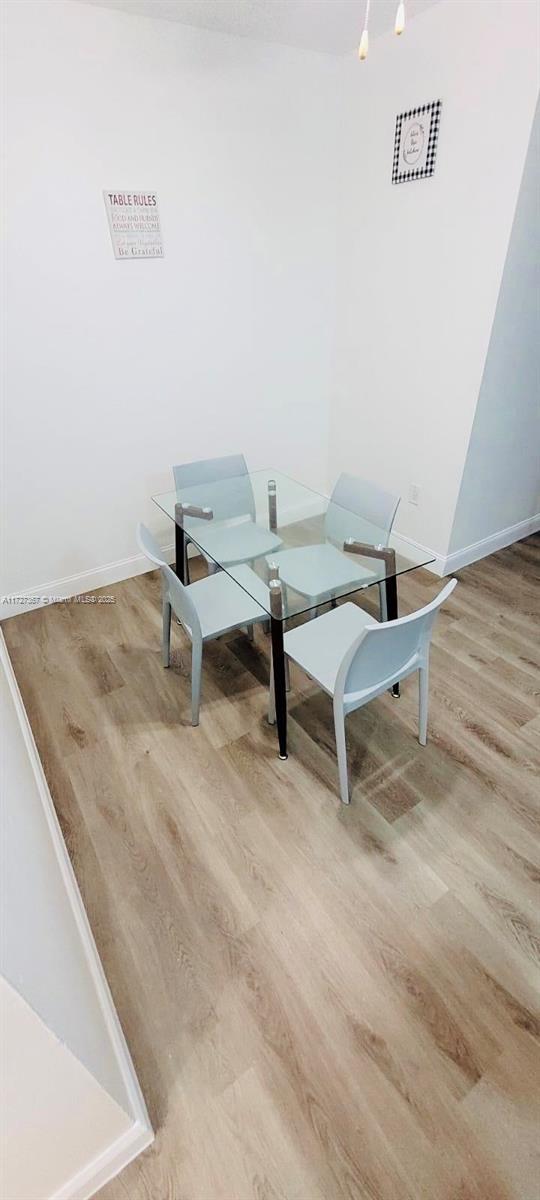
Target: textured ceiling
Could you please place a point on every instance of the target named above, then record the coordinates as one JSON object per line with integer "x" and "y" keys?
{"x": 330, "y": 26}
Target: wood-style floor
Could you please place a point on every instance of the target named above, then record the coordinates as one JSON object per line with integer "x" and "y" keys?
{"x": 322, "y": 1003}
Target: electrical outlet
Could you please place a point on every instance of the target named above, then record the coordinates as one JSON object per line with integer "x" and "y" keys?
{"x": 414, "y": 493}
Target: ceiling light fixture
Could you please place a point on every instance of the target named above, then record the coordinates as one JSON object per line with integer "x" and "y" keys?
{"x": 364, "y": 40}
{"x": 400, "y": 19}
{"x": 399, "y": 26}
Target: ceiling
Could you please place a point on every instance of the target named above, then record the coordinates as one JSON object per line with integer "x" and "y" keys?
{"x": 330, "y": 26}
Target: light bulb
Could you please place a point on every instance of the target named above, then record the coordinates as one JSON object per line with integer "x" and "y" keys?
{"x": 400, "y": 19}
{"x": 364, "y": 45}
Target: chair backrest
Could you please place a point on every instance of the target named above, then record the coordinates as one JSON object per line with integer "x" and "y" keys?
{"x": 388, "y": 649}
{"x": 367, "y": 501}
{"x": 222, "y": 484}
{"x": 173, "y": 590}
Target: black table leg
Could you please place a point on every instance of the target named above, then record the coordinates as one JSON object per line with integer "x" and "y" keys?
{"x": 280, "y": 691}
{"x": 392, "y": 611}
{"x": 180, "y": 552}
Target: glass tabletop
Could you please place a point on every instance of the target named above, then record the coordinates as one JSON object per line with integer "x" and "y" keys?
{"x": 289, "y": 547}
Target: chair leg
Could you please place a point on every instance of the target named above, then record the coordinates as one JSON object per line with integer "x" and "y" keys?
{"x": 423, "y": 694}
{"x": 250, "y": 631}
{"x": 339, "y": 726}
{"x": 166, "y": 636}
{"x": 196, "y": 672}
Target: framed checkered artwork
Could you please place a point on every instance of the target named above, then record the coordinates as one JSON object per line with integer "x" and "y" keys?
{"x": 415, "y": 143}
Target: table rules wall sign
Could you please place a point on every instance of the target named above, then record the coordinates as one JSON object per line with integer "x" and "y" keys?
{"x": 134, "y": 224}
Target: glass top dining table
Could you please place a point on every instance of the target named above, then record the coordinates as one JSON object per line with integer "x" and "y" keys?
{"x": 290, "y": 548}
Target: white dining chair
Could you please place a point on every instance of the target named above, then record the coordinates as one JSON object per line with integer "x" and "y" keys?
{"x": 224, "y": 485}
{"x": 303, "y": 568}
{"x": 354, "y": 658}
{"x": 205, "y": 609}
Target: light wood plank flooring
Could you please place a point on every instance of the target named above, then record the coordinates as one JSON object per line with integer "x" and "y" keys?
{"x": 322, "y": 1003}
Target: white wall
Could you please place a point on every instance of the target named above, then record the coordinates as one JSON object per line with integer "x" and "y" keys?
{"x": 303, "y": 300}
{"x": 55, "y": 1115}
{"x": 422, "y": 262}
{"x": 41, "y": 952}
{"x": 118, "y": 369}
{"x": 500, "y": 488}
{"x": 72, "y": 1111}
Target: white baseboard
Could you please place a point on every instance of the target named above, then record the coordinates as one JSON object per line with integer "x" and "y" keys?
{"x": 402, "y": 543}
{"x": 490, "y": 545}
{"x": 106, "y": 1166}
{"x": 76, "y": 585}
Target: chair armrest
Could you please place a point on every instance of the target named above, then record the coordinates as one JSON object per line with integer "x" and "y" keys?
{"x": 386, "y": 553}
{"x": 182, "y": 509}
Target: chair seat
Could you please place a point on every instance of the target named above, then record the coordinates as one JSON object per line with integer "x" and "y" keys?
{"x": 319, "y": 646}
{"x": 222, "y": 605}
{"x": 228, "y": 544}
{"x": 306, "y": 568}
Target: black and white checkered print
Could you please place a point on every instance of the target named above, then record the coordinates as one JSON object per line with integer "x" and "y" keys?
{"x": 429, "y": 165}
